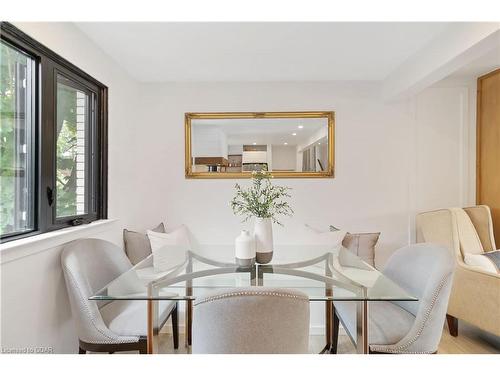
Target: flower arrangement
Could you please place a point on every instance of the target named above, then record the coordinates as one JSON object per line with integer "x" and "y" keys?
{"x": 262, "y": 199}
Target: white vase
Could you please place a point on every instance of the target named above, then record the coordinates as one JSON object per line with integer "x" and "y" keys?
{"x": 263, "y": 234}
{"x": 244, "y": 249}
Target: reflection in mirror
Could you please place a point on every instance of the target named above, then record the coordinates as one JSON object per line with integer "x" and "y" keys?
{"x": 288, "y": 147}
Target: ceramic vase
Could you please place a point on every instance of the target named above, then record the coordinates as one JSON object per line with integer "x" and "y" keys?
{"x": 244, "y": 249}
{"x": 263, "y": 235}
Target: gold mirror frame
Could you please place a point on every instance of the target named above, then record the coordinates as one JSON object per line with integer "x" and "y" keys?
{"x": 330, "y": 115}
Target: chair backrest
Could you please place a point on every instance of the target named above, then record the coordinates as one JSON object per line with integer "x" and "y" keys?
{"x": 89, "y": 265}
{"x": 483, "y": 223}
{"x": 438, "y": 227}
{"x": 451, "y": 228}
{"x": 425, "y": 271}
{"x": 252, "y": 320}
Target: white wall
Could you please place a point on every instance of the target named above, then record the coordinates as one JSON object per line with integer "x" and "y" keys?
{"x": 284, "y": 157}
{"x": 318, "y": 134}
{"x": 390, "y": 162}
{"x": 441, "y": 135}
{"x": 443, "y": 171}
{"x": 209, "y": 141}
{"x": 35, "y": 309}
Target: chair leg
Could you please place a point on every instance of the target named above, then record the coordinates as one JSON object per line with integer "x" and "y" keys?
{"x": 175, "y": 326}
{"x": 452, "y": 325}
{"x": 143, "y": 346}
{"x": 335, "y": 338}
{"x": 189, "y": 322}
{"x": 140, "y": 345}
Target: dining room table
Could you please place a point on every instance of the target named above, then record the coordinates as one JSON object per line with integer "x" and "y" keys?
{"x": 326, "y": 274}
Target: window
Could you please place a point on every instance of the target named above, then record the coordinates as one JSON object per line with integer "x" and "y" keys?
{"x": 53, "y": 134}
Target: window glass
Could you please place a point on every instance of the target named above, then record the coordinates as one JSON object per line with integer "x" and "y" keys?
{"x": 16, "y": 149}
{"x": 72, "y": 149}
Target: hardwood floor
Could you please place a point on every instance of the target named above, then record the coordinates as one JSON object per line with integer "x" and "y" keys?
{"x": 470, "y": 340}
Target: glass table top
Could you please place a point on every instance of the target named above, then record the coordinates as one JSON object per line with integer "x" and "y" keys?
{"x": 323, "y": 274}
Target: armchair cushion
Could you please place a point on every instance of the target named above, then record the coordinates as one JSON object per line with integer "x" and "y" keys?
{"x": 488, "y": 262}
{"x": 467, "y": 235}
{"x": 128, "y": 318}
{"x": 481, "y": 219}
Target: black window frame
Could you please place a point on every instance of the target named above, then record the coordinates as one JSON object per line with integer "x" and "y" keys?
{"x": 48, "y": 65}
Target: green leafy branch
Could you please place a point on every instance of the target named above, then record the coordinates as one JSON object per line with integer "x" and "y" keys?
{"x": 262, "y": 199}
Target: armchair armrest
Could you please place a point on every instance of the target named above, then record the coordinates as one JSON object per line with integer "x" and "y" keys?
{"x": 475, "y": 297}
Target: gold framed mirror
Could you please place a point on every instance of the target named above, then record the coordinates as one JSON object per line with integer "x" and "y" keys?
{"x": 233, "y": 144}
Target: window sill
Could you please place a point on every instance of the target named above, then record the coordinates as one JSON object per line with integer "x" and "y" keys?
{"x": 24, "y": 247}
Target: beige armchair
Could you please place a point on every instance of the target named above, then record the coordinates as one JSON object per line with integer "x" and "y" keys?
{"x": 475, "y": 295}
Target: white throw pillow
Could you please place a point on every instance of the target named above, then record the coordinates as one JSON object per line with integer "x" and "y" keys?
{"x": 169, "y": 249}
{"x": 484, "y": 262}
{"x": 331, "y": 240}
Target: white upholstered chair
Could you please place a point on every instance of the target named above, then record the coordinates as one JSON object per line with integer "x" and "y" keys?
{"x": 475, "y": 295}
{"x": 252, "y": 320}
{"x": 106, "y": 326}
{"x": 423, "y": 270}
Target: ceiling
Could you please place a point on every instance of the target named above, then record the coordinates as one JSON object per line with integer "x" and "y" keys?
{"x": 480, "y": 66}
{"x": 291, "y": 51}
